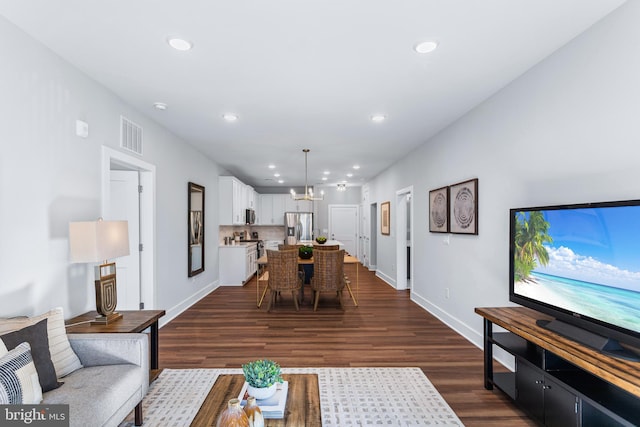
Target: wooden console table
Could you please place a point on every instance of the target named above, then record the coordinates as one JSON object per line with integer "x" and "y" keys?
{"x": 557, "y": 380}
{"x": 132, "y": 321}
{"x": 303, "y": 401}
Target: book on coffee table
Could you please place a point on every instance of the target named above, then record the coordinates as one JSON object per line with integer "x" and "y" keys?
{"x": 273, "y": 407}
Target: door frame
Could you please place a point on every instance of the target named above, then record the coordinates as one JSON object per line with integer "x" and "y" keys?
{"x": 147, "y": 177}
{"x": 404, "y": 205}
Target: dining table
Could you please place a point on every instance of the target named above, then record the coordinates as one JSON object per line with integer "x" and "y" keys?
{"x": 263, "y": 276}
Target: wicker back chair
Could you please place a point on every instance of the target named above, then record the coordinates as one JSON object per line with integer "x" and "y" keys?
{"x": 326, "y": 247}
{"x": 328, "y": 274}
{"x": 283, "y": 275}
{"x": 282, "y": 247}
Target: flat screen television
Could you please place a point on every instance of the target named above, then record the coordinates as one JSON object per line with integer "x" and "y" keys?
{"x": 580, "y": 264}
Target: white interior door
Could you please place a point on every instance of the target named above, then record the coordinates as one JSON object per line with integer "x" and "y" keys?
{"x": 124, "y": 204}
{"x": 343, "y": 226}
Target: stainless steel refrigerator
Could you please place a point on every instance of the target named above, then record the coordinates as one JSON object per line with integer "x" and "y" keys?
{"x": 298, "y": 226}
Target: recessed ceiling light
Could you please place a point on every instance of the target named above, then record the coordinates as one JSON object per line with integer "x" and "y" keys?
{"x": 179, "y": 44}
{"x": 324, "y": 178}
{"x": 378, "y": 118}
{"x": 280, "y": 181}
{"x": 230, "y": 117}
{"x": 356, "y": 167}
{"x": 426, "y": 46}
{"x": 326, "y": 172}
{"x": 160, "y": 105}
{"x": 272, "y": 166}
{"x": 276, "y": 174}
{"x": 349, "y": 175}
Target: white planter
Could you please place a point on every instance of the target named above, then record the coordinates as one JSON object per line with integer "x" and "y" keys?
{"x": 262, "y": 393}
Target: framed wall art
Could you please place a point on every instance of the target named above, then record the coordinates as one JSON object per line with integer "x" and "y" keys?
{"x": 195, "y": 224}
{"x": 439, "y": 210}
{"x": 463, "y": 207}
{"x": 385, "y": 218}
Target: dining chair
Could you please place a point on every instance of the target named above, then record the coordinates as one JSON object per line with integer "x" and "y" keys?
{"x": 283, "y": 247}
{"x": 283, "y": 275}
{"x": 328, "y": 274}
{"x": 326, "y": 247}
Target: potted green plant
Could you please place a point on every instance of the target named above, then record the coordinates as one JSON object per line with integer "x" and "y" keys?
{"x": 321, "y": 240}
{"x": 262, "y": 377}
{"x": 305, "y": 252}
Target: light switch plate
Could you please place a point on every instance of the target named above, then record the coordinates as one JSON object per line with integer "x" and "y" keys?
{"x": 82, "y": 129}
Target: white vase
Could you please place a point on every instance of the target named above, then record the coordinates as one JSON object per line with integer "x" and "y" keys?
{"x": 262, "y": 393}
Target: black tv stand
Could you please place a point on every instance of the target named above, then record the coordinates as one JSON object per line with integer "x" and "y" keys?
{"x": 601, "y": 343}
{"x": 558, "y": 381}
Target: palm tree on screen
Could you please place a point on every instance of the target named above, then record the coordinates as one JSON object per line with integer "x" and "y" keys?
{"x": 531, "y": 235}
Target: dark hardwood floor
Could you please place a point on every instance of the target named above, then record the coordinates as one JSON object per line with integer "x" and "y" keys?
{"x": 226, "y": 329}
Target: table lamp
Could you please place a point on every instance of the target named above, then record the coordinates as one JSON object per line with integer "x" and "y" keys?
{"x": 99, "y": 241}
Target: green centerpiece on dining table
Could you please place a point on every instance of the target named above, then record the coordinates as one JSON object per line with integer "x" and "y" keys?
{"x": 321, "y": 240}
{"x": 305, "y": 252}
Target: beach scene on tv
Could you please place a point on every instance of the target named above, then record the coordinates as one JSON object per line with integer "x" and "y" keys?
{"x": 584, "y": 260}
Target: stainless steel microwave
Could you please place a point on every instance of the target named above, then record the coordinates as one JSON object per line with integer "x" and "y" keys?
{"x": 250, "y": 216}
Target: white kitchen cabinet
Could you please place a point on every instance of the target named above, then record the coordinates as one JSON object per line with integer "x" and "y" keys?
{"x": 232, "y": 201}
{"x": 238, "y": 263}
{"x": 272, "y": 209}
{"x": 250, "y": 197}
{"x": 279, "y": 208}
{"x": 298, "y": 205}
{"x": 265, "y": 210}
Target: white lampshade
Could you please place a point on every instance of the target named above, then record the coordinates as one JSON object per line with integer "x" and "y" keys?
{"x": 97, "y": 241}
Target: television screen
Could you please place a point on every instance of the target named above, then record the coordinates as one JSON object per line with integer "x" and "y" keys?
{"x": 580, "y": 263}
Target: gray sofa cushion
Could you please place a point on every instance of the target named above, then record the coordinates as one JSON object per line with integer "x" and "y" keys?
{"x": 99, "y": 395}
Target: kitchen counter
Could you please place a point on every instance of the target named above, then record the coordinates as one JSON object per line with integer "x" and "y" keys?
{"x": 314, "y": 243}
{"x": 239, "y": 245}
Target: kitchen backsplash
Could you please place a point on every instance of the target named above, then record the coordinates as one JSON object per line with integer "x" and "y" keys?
{"x": 265, "y": 232}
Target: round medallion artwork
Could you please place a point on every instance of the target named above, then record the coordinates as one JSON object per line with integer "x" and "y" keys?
{"x": 464, "y": 208}
{"x": 439, "y": 210}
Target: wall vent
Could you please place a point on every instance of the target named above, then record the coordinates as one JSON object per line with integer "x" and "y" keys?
{"x": 130, "y": 136}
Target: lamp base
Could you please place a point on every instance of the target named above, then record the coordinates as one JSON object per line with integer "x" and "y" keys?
{"x": 106, "y": 295}
{"x": 104, "y": 320}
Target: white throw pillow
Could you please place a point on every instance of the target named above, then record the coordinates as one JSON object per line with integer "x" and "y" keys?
{"x": 19, "y": 382}
{"x": 63, "y": 357}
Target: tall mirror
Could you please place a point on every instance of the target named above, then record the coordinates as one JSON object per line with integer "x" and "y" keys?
{"x": 196, "y": 229}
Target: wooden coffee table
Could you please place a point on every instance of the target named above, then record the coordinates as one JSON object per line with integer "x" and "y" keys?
{"x": 303, "y": 401}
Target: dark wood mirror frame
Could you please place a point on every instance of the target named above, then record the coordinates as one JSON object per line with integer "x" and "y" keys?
{"x": 195, "y": 224}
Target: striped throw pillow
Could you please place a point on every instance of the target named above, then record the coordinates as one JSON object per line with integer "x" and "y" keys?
{"x": 63, "y": 357}
{"x": 19, "y": 382}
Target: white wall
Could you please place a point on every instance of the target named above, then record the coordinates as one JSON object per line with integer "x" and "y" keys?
{"x": 49, "y": 176}
{"x": 567, "y": 131}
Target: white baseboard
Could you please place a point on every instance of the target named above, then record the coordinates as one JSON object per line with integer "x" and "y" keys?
{"x": 177, "y": 309}
{"x": 473, "y": 336}
{"x": 387, "y": 279}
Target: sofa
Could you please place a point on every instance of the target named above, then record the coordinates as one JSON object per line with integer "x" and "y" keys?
{"x": 111, "y": 383}
{"x": 101, "y": 376}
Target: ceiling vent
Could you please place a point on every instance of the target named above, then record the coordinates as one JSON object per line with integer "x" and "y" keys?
{"x": 130, "y": 136}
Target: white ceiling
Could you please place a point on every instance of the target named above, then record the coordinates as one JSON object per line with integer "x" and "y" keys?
{"x": 305, "y": 74}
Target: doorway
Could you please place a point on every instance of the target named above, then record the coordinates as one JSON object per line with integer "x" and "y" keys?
{"x": 343, "y": 226}
{"x": 404, "y": 238}
{"x": 140, "y": 290}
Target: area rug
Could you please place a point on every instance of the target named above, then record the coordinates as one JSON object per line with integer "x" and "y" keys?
{"x": 348, "y": 397}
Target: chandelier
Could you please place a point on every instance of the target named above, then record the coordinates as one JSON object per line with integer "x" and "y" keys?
{"x": 342, "y": 187}
{"x": 308, "y": 193}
